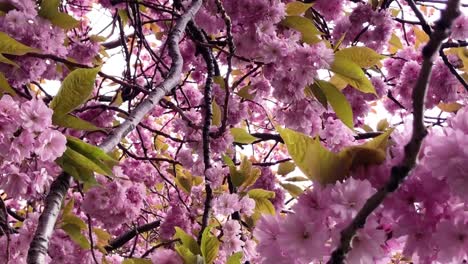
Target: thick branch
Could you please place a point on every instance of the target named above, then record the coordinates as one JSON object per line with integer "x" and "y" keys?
{"x": 124, "y": 238}
{"x": 40, "y": 243}
{"x": 400, "y": 172}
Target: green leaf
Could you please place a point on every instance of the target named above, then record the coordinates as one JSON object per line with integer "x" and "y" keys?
{"x": 5, "y": 86}
{"x": 183, "y": 179}
{"x": 123, "y": 16}
{"x": 249, "y": 173}
{"x": 244, "y": 93}
{"x": 315, "y": 91}
{"x": 293, "y": 189}
{"x": 371, "y": 152}
{"x": 216, "y": 110}
{"x": 9, "y": 45}
{"x": 297, "y": 8}
{"x": 261, "y": 194}
{"x": 421, "y": 36}
{"x": 186, "y": 254}
{"x": 241, "y": 136}
{"x": 352, "y": 74}
{"x": 382, "y": 125}
{"x": 74, "y": 232}
{"x": 75, "y": 90}
{"x": 296, "y": 179}
{"x": 79, "y": 160}
{"x": 136, "y": 261}
{"x": 209, "y": 246}
{"x": 74, "y": 122}
{"x": 220, "y": 81}
{"x": 67, "y": 209}
{"x": 395, "y": 43}
{"x": 89, "y": 150}
{"x": 338, "y": 101}
{"x": 187, "y": 241}
{"x": 263, "y": 206}
{"x": 50, "y": 10}
{"x": 79, "y": 173}
{"x": 286, "y": 167}
{"x": 304, "y": 25}
{"x": 228, "y": 161}
{"x": 103, "y": 238}
{"x": 71, "y": 219}
{"x": 363, "y": 56}
{"x": 235, "y": 258}
{"x": 321, "y": 165}
{"x": 316, "y": 162}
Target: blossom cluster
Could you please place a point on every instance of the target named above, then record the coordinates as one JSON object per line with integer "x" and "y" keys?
{"x": 28, "y": 147}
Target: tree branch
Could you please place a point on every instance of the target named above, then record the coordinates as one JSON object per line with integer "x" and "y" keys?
{"x": 209, "y": 60}
{"x": 400, "y": 172}
{"x": 425, "y": 26}
{"x": 124, "y": 238}
{"x": 40, "y": 243}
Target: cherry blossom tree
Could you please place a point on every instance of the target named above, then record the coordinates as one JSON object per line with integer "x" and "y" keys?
{"x": 221, "y": 131}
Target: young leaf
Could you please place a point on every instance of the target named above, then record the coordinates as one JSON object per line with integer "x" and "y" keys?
{"x": 363, "y": 56}
{"x": 395, "y": 43}
{"x": 293, "y": 189}
{"x": 50, "y": 10}
{"x": 209, "y": 246}
{"x": 338, "y": 101}
{"x": 421, "y": 36}
{"x": 262, "y": 203}
{"x": 315, "y": 91}
{"x": 449, "y": 107}
{"x": 79, "y": 173}
{"x": 235, "y": 258}
{"x": 103, "y": 238}
{"x": 286, "y": 167}
{"x": 187, "y": 240}
{"x": 297, "y": 8}
{"x": 261, "y": 194}
{"x": 67, "y": 209}
{"x": 216, "y": 110}
{"x": 241, "y": 136}
{"x": 136, "y": 261}
{"x": 314, "y": 160}
{"x": 352, "y": 74}
{"x": 219, "y": 80}
{"x": 183, "y": 179}
{"x": 304, "y": 25}
{"x": 89, "y": 150}
{"x": 244, "y": 93}
{"x": 296, "y": 179}
{"x": 186, "y": 255}
{"x": 75, "y": 90}
{"x": 5, "y": 86}
{"x": 78, "y": 160}
{"x": 9, "y": 45}
{"x": 321, "y": 165}
{"x": 74, "y": 232}
{"x": 74, "y": 122}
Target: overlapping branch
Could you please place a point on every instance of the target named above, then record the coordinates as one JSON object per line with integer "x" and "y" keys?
{"x": 401, "y": 171}
{"x": 40, "y": 243}
{"x": 124, "y": 238}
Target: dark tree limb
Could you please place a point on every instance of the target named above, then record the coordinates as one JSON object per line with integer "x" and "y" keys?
{"x": 401, "y": 171}
{"x": 124, "y": 238}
